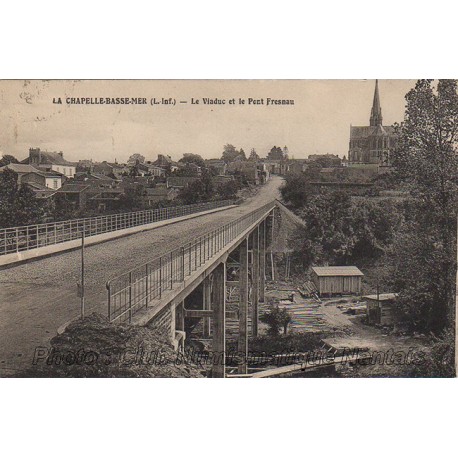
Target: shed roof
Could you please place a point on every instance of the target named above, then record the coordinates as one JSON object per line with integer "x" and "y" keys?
{"x": 338, "y": 271}
{"x": 381, "y": 297}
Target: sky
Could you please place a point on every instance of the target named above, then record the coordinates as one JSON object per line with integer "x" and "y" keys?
{"x": 318, "y": 122}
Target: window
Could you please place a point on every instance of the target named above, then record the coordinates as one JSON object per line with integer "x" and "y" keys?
{"x": 55, "y": 184}
{"x": 65, "y": 171}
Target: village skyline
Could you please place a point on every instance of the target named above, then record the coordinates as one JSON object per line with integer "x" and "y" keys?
{"x": 318, "y": 122}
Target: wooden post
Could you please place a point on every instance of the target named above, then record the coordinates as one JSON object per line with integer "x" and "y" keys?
{"x": 255, "y": 283}
{"x": 272, "y": 246}
{"x": 219, "y": 321}
{"x": 243, "y": 306}
{"x": 262, "y": 263}
{"x": 206, "y": 296}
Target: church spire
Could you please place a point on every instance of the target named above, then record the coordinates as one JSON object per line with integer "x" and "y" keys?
{"x": 376, "y": 112}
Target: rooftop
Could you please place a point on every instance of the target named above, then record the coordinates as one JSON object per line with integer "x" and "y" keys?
{"x": 26, "y": 168}
{"x": 381, "y": 297}
{"x": 338, "y": 271}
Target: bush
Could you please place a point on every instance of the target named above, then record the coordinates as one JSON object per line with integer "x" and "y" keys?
{"x": 276, "y": 319}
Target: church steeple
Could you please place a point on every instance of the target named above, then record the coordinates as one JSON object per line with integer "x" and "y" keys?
{"x": 376, "y": 112}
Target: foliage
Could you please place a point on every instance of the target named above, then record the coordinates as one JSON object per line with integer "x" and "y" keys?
{"x": 439, "y": 359}
{"x": 254, "y": 156}
{"x": 228, "y": 190}
{"x": 327, "y": 161}
{"x": 188, "y": 170}
{"x": 296, "y": 189}
{"x": 190, "y": 158}
{"x": 200, "y": 190}
{"x": 8, "y": 159}
{"x": 426, "y": 161}
{"x": 18, "y": 204}
{"x": 339, "y": 231}
{"x": 136, "y": 159}
{"x": 229, "y": 153}
{"x": 289, "y": 343}
{"x": 276, "y": 318}
{"x": 132, "y": 199}
{"x": 276, "y": 153}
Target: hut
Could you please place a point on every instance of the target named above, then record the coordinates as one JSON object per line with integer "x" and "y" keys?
{"x": 337, "y": 280}
{"x": 380, "y": 308}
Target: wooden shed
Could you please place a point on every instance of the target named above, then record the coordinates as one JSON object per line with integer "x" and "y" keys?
{"x": 380, "y": 308}
{"x": 337, "y": 280}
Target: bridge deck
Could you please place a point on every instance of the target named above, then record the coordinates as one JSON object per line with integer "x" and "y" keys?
{"x": 38, "y": 297}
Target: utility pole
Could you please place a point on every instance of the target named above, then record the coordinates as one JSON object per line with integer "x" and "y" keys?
{"x": 82, "y": 274}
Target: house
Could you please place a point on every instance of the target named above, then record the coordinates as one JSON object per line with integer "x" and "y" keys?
{"x": 248, "y": 170}
{"x": 73, "y": 194}
{"x": 263, "y": 172}
{"x": 222, "y": 179}
{"x": 149, "y": 169}
{"x": 298, "y": 165}
{"x": 84, "y": 165}
{"x": 110, "y": 168}
{"x": 158, "y": 194}
{"x": 380, "y": 308}
{"x": 217, "y": 164}
{"x": 166, "y": 163}
{"x": 41, "y": 192}
{"x": 277, "y": 166}
{"x": 50, "y": 161}
{"x": 27, "y": 174}
{"x": 180, "y": 182}
{"x": 50, "y": 180}
{"x": 337, "y": 280}
{"x": 104, "y": 198}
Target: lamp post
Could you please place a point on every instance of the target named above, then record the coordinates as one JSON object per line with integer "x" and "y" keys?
{"x": 81, "y": 283}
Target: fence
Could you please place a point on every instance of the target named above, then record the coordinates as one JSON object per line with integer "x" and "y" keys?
{"x": 134, "y": 290}
{"x": 25, "y": 238}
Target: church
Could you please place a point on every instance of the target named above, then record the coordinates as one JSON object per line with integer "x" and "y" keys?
{"x": 371, "y": 144}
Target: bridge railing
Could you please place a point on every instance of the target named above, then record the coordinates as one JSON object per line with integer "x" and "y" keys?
{"x": 132, "y": 291}
{"x": 24, "y": 238}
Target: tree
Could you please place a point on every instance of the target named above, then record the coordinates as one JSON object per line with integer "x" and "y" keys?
{"x": 190, "y": 158}
{"x": 228, "y": 190}
{"x": 136, "y": 159}
{"x": 18, "y": 204}
{"x": 425, "y": 159}
{"x": 253, "y": 155}
{"x": 8, "y": 159}
{"x": 276, "y": 153}
{"x": 229, "y": 153}
{"x": 200, "y": 190}
{"x": 276, "y": 319}
{"x": 296, "y": 190}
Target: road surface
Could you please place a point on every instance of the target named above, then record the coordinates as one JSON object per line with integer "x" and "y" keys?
{"x": 39, "y": 296}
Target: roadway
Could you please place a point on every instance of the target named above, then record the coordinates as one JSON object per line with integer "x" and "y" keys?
{"x": 39, "y": 296}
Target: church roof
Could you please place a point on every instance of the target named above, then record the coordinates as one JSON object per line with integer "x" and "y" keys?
{"x": 367, "y": 131}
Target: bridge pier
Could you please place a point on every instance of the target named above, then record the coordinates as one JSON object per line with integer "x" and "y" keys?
{"x": 206, "y": 297}
{"x": 255, "y": 282}
{"x": 219, "y": 321}
{"x": 262, "y": 263}
{"x": 243, "y": 307}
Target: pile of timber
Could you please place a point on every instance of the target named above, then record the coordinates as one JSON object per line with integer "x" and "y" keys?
{"x": 306, "y": 317}
{"x": 309, "y": 290}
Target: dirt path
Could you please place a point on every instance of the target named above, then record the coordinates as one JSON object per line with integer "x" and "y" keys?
{"x": 38, "y": 297}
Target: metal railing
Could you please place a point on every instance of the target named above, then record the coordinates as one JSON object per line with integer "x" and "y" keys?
{"x": 132, "y": 291}
{"x": 24, "y": 238}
